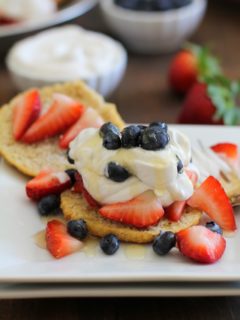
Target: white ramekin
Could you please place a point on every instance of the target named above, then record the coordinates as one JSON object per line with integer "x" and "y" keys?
{"x": 153, "y": 32}
{"x": 104, "y": 83}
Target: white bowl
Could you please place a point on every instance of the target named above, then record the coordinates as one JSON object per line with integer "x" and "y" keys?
{"x": 28, "y": 70}
{"x": 153, "y": 32}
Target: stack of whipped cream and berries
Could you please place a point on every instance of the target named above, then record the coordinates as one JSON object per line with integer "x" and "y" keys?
{"x": 136, "y": 182}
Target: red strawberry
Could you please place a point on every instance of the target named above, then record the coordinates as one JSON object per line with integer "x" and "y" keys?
{"x": 142, "y": 211}
{"x": 212, "y": 102}
{"x": 190, "y": 65}
{"x": 47, "y": 182}
{"x": 198, "y": 107}
{"x": 212, "y": 199}
{"x": 183, "y": 71}
{"x": 79, "y": 188}
{"x": 201, "y": 244}
{"x": 25, "y": 112}
{"x": 90, "y": 118}
{"x": 62, "y": 113}
{"x": 59, "y": 242}
{"x": 175, "y": 210}
{"x": 229, "y": 150}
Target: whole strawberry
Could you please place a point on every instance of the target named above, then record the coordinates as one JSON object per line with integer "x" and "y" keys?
{"x": 190, "y": 65}
{"x": 212, "y": 102}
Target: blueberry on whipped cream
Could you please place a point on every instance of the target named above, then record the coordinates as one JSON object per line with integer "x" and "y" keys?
{"x": 116, "y": 172}
{"x": 130, "y": 136}
{"x": 113, "y": 173}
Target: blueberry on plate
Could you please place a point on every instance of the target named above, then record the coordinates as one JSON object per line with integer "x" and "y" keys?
{"x": 214, "y": 227}
{"x": 72, "y": 175}
{"x": 70, "y": 160}
{"x": 111, "y": 141}
{"x": 116, "y": 172}
{"x": 160, "y": 125}
{"x": 164, "y": 242}
{"x": 109, "y": 244}
{"x": 48, "y": 204}
{"x": 108, "y": 127}
{"x": 77, "y": 229}
{"x": 154, "y": 139}
{"x": 130, "y": 136}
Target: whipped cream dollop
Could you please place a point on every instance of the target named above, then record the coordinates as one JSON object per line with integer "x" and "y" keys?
{"x": 150, "y": 170}
{"x": 27, "y": 9}
{"x": 64, "y": 54}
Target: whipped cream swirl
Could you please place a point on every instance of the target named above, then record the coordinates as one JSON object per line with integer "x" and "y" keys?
{"x": 150, "y": 170}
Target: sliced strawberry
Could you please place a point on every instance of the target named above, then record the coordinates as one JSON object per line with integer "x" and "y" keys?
{"x": 175, "y": 210}
{"x": 212, "y": 199}
{"x": 59, "y": 242}
{"x": 62, "y": 113}
{"x": 79, "y": 188}
{"x": 192, "y": 175}
{"x": 201, "y": 244}
{"x": 229, "y": 150}
{"x": 25, "y": 112}
{"x": 47, "y": 182}
{"x": 89, "y": 119}
{"x": 142, "y": 211}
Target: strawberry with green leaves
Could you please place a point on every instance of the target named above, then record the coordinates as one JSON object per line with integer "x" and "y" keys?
{"x": 214, "y": 101}
{"x": 190, "y": 65}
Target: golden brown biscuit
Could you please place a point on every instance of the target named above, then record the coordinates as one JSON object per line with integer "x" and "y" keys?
{"x": 75, "y": 207}
{"x": 31, "y": 158}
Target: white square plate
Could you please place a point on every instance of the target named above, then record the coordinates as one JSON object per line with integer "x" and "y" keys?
{"x": 22, "y": 261}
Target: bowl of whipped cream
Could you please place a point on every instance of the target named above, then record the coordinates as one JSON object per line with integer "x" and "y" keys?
{"x": 65, "y": 54}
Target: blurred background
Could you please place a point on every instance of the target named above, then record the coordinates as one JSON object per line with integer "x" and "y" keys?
{"x": 151, "y": 39}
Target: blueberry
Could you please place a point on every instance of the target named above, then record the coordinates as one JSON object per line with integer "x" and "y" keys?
{"x": 144, "y": 5}
{"x": 116, "y": 172}
{"x": 111, "y": 141}
{"x": 179, "y": 165}
{"x": 72, "y": 175}
{"x": 181, "y": 3}
{"x": 214, "y": 227}
{"x": 154, "y": 139}
{"x": 163, "y": 243}
{"x": 49, "y": 204}
{"x": 163, "y": 5}
{"x": 141, "y": 127}
{"x": 109, "y": 244}
{"x": 77, "y": 228}
{"x": 160, "y": 125}
{"x": 70, "y": 160}
{"x": 108, "y": 127}
{"x": 130, "y": 136}
{"x": 127, "y": 4}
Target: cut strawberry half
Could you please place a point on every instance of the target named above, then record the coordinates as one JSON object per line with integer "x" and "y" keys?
{"x": 228, "y": 150}
{"x": 59, "y": 242}
{"x": 62, "y": 113}
{"x": 142, "y": 211}
{"x": 47, "y": 182}
{"x": 79, "y": 188}
{"x": 25, "y": 112}
{"x": 89, "y": 119}
{"x": 201, "y": 244}
{"x": 175, "y": 210}
{"x": 211, "y": 198}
